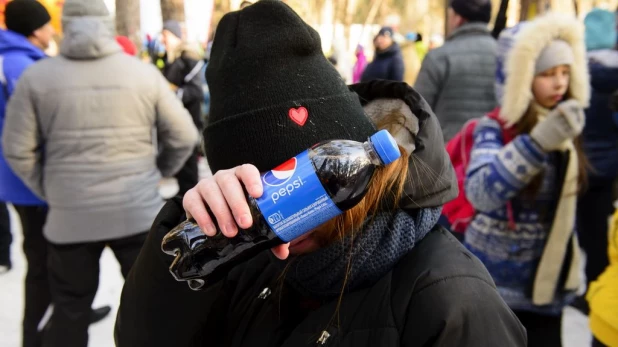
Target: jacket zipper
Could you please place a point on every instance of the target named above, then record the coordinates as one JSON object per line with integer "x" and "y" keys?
{"x": 323, "y": 338}
{"x": 326, "y": 337}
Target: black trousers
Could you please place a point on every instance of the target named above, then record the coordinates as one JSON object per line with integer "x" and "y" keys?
{"x": 543, "y": 331}
{"x": 597, "y": 343}
{"x": 6, "y": 238}
{"x": 188, "y": 175}
{"x": 594, "y": 208}
{"x": 37, "y": 294}
{"x": 74, "y": 279}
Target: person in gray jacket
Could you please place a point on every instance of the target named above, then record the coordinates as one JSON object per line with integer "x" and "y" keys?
{"x": 457, "y": 79}
{"x": 79, "y": 131}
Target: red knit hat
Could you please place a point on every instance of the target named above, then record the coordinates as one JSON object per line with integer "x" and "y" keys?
{"x": 127, "y": 45}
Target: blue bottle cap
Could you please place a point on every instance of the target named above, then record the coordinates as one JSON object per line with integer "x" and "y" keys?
{"x": 385, "y": 146}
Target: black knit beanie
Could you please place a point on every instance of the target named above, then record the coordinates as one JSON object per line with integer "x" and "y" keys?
{"x": 273, "y": 93}
{"x": 473, "y": 10}
{"x": 25, "y": 16}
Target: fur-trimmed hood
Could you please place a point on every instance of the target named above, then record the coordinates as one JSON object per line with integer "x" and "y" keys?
{"x": 432, "y": 181}
{"x": 521, "y": 60}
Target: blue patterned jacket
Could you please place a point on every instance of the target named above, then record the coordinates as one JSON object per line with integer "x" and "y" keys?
{"x": 497, "y": 174}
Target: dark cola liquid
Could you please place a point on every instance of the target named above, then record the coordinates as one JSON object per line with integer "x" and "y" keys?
{"x": 204, "y": 260}
{"x": 343, "y": 168}
{"x": 344, "y": 171}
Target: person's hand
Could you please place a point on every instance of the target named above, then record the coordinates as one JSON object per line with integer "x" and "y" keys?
{"x": 563, "y": 123}
{"x": 224, "y": 195}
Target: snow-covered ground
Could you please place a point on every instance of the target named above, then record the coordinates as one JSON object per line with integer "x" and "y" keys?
{"x": 575, "y": 327}
{"x": 12, "y": 288}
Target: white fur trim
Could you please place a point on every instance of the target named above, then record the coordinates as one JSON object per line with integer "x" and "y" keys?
{"x": 521, "y": 60}
{"x": 405, "y": 136}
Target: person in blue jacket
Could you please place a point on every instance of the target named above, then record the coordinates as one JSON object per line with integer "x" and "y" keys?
{"x": 387, "y": 63}
{"x": 29, "y": 32}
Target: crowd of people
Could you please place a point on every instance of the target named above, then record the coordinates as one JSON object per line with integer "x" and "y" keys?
{"x": 476, "y": 236}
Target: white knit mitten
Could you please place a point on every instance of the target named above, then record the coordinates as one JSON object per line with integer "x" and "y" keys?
{"x": 563, "y": 123}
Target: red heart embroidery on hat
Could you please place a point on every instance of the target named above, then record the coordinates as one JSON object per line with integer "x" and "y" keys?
{"x": 299, "y": 115}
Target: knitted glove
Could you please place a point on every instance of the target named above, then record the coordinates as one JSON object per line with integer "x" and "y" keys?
{"x": 563, "y": 123}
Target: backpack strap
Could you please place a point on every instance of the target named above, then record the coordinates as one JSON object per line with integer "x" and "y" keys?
{"x": 467, "y": 135}
{"x": 196, "y": 69}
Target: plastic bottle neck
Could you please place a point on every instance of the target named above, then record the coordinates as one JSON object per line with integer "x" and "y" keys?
{"x": 372, "y": 154}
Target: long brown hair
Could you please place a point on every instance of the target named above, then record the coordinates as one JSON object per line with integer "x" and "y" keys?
{"x": 524, "y": 126}
{"x": 387, "y": 185}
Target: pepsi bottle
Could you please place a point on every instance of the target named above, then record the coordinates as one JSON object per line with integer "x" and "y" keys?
{"x": 299, "y": 195}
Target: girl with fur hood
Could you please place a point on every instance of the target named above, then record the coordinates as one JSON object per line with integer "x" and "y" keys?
{"x": 526, "y": 170}
{"x": 383, "y": 274}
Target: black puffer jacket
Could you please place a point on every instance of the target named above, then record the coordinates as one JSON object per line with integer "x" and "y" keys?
{"x": 184, "y": 73}
{"x": 437, "y": 295}
{"x": 386, "y": 65}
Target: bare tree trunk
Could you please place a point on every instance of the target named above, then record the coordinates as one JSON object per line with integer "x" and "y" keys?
{"x": 410, "y": 22}
{"x": 371, "y": 16}
{"x": 350, "y": 9}
{"x": 524, "y": 9}
{"x": 501, "y": 19}
{"x": 172, "y": 10}
{"x": 338, "y": 10}
{"x": 226, "y": 5}
{"x": 128, "y": 20}
{"x": 446, "y": 28}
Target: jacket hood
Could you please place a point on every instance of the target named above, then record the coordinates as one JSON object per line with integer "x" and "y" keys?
{"x": 432, "y": 180}
{"x": 506, "y": 40}
{"x": 88, "y": 38}
{"x": 13, "y": 42}
{"x": 521, "y": 60}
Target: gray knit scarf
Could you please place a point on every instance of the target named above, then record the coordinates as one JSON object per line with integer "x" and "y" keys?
{"x": 383, "y": 241}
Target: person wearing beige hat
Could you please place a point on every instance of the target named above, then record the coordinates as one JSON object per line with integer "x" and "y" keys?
{"x": 79, "y": 133}
{"x": 527, "y": 167}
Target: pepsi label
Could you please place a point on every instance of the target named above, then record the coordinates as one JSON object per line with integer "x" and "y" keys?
{"x": 294, "y": 201}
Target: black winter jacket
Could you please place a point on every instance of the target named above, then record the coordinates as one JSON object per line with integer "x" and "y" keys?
{"x": 185, "y": 73}
{"x": 386, "y": 65}
{"x": 601, "y": 130}
{"x": 437, "y": 295}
